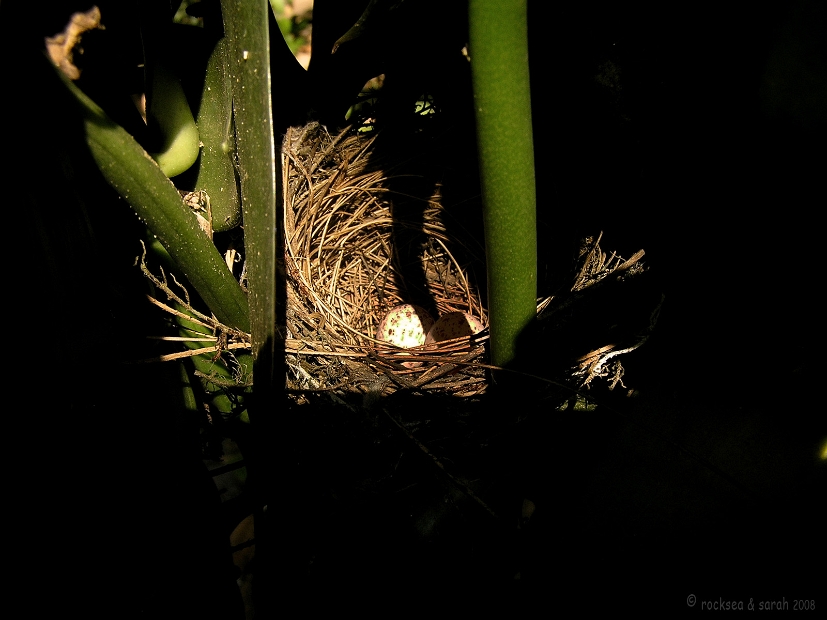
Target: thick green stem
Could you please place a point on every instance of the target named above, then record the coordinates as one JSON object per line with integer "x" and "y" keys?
{"x": 499, "y": 66}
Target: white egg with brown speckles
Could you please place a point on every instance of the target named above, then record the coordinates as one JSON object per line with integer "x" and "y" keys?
{"x": 405, "y": 326}
{"x": 453, "y": 325}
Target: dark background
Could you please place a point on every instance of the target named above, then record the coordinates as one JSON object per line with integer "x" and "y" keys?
{"x": 696, "y": 133}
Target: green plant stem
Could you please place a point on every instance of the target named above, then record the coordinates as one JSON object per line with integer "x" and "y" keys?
{"x": 498, "y": 48}
{"x": 246, "y": 27}
{"x": 216, "y": 173}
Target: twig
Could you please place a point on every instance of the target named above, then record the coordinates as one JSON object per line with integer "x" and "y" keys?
{"x": 184, "y": 354}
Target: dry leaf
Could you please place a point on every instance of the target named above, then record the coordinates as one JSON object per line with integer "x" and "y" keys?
{"x": 61, "y": 47}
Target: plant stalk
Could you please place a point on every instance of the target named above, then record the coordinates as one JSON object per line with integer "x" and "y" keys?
{"x": 498, "y": 46}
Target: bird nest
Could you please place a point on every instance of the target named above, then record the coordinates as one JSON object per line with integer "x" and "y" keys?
{"x": 358, "y": 243}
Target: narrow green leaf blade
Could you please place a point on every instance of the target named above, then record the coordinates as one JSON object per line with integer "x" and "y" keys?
{"x": 139, "y": 180}
{"x": 246, "y": 27}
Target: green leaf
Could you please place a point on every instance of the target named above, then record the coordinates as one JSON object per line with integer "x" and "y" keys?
{"x": 216, "y": 172}
{"x": 142, "y": 184}
{"x": 246, "y": 27}
{"x": 170, "y": 111}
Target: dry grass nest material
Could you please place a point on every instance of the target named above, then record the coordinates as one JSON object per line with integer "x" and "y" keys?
{"x": 353, "y": 246}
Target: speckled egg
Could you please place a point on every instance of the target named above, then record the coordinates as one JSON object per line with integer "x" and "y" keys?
{"x": 453, "y": 325}
{"x": 405, "y": 326}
